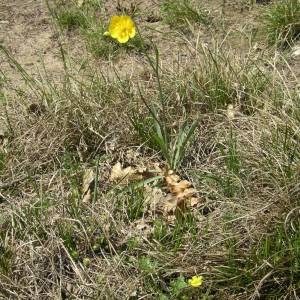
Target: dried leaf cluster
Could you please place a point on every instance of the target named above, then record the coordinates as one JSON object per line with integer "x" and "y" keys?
{"x": 172, "y": 195}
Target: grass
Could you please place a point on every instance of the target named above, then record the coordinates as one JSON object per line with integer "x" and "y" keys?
{"x": 282, "y": 22}
{"x": 271, "y": 268}
{"x": 225, "y": 120}
{"x": 181, "y": 13}
{"x": 85, "y": 19}
{"x": 219, "y": 70}
{"x": 72, "y": 18}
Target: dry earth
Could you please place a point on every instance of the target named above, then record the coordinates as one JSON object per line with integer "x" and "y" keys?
{"x": 28, "y": 32}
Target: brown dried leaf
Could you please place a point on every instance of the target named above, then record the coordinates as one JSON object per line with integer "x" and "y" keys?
{"x": 172, "y": 179}
{"x": 88, "y": 180}
{"x": 87, "y": 197}
{"x": 179, "y": 187}
{"x": 182, "y": 194}
{"x": 169, "y": 205}
{"x": 193, "y": 201}
{"x": 118, "y": 173}
{"x": 187, "y": 193}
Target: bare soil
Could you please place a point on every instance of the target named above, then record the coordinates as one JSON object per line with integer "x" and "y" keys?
{"x": 26, "y": 31}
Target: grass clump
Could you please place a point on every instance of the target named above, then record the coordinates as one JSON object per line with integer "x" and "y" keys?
{"x": 230, "y": 180}
{"x": 181, "y": 13}
{"x": 99, "y": 45}
{"x": 270, "y": 269}
{"x": 282, "y": 22}
{"x": 223, "y": 79}
{"x": 154, "y": 130}
{"x": 72, "y": 18}
{"x": 282, "y": 251}
{"x": 72, "y": 15}
{"x": 86, "y": 19}
{"x": 172, "y": 147}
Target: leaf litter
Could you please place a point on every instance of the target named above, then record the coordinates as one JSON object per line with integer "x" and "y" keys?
{"x": 170, "y": 195}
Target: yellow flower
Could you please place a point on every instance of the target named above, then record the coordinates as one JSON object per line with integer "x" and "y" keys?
{"x": 121, "y": 28}
{"x": 195, "y": 281}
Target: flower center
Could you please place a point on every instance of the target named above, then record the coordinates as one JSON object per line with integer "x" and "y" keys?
{"x": 124, "y": 32}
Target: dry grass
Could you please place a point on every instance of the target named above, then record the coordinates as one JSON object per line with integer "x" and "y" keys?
{"x": 243, "y": 159}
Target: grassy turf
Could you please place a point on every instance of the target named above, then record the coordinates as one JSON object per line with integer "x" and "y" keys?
{"x": 226, "y": 120}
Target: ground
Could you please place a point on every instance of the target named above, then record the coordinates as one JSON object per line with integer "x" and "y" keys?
{"x": 127, "y": 169}
{"x": 27, "y": 33}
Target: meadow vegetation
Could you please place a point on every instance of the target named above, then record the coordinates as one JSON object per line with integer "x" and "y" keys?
{"x": 86, "y": 159}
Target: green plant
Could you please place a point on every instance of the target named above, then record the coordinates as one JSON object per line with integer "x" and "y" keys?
{"x": 147, "y": 265}
{"x": 230, "y": 181}
{"x": 54, "y": 244}
{"x": 99, "y": 45}
{"x": 282, "y": 22}
{"x": 278, "y": 256}
{"x": 286, "y": 145}
{"x": 184, "y": 227}
{"x": 177, "y": 286}
{"x": 180, "y": 13}
{"x": 72, "y": 14}
{"x": 155, "y": 134}
{"x": 6, "y": 255}
{"x": 232, "y": 159}
{"x": 271, "y": 269}
{"x": 154, "y": 129}
{"x": 67, "y": 234}
{"x": 222, "y": 79}
{"x": 71, "y": 18}
{"x": 172, "y": 239}
{"x": 160, "y": 230}
{"x": 134, "y": 204}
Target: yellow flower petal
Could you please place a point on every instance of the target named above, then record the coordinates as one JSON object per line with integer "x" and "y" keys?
{"x": 195, "y": 281}
{"x": 128, "y": 21}
{"x": 123, "y": 38}
{"x": 121, "y": 28}
{"x": 132, "y": 32}
{"x": 114, "y": 26}
{"x": 106, "y": 33}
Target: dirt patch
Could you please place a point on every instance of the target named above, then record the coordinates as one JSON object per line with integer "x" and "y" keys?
{"x": 26, "y": 32}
